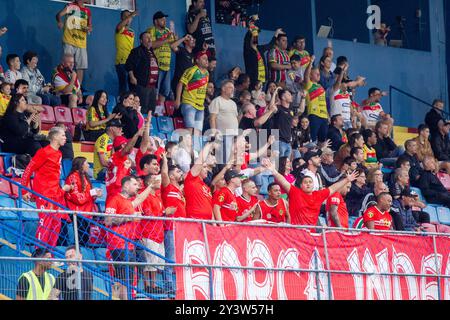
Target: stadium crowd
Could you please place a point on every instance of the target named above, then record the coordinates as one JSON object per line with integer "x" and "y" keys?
{"x": 288, "y": 116}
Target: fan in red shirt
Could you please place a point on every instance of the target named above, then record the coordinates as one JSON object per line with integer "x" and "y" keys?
{"x": 305, "y": 204}
{"x": 337, "y": 213}
{"x": 46, "y": 167}
{"x": 378, "y": 217}
{"x": 247, "y": 201}
{"x": 119, "y": 248}
{"x": 197, "y": 193}
{"x": 225, "y": 204}
{"x": 82, "y": 197}
{"x": 120, "y": 164}
{"x": 275, "y": 209}
{"x": 152, "y": 232}
{"x": 172, "y": 195}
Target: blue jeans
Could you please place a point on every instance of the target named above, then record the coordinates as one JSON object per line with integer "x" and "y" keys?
{"x": 169, "y": 247}
{"x": 285, "y": 149}
{"x": 319, "y": 128}
{"x": 164, "y": 83}
{"x": 49, "y": 99}
{"x": 122, "y": 74}
{"x": 193, "y": 118}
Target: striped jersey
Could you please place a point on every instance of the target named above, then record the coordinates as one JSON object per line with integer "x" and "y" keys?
{"x": 316, "y": 102}
{"x": 281, "y": 57}
{"x": 163, "y": 53}
{"x": 124, "y": 44}
{"x": 195, "y": 84}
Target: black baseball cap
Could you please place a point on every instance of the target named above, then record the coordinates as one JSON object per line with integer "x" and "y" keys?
{"x": 311, "y": 154}
{"x": 159, "y": 15}
{"x": 231, "y": 174}
{"x": 114, "y": 123}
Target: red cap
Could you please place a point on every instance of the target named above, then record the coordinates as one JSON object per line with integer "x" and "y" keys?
{"x": 119, "y": 141}
{"x": 201, "y": 53}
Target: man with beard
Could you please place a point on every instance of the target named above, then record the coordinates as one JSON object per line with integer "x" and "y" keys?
{"x": 172, "y": 180}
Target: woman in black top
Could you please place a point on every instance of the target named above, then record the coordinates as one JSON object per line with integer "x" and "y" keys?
{"x": 19, "y": 127}
{"x": 130, "y": 119}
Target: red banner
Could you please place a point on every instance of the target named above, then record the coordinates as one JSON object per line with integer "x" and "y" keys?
{"x": 285, "y": 248}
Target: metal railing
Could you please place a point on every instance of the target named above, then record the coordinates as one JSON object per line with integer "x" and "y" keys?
{"x": 446, "y": 114}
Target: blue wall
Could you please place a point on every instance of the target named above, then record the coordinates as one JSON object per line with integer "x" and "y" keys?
{"x": 421, "y": 73}
{"x": 32, "y": 25}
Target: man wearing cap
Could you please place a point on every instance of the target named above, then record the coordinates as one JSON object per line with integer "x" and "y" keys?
{"x": 103, "y": 148}
{"x": 275, "y": 209}
{"x": 36, "y": 284}
{"x": 328, "y": 170}
{"x": 162, "y": 38}
{"x": 119, "y": 166}
{"x": 313, "y": 162}
{"x": 304, "y": 202}
{"x": 403, "y": 208}
{"x": 143, "y": 71}
{"x": 191, "y": 93}
{"x": 224, "y": 201}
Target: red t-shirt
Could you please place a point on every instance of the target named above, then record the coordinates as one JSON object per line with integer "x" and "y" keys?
{"x": 198, "y": 198}
{"x": 244, "y": 205}
{"x": 382, "y": 220}
{"x": 173, "y": 197}
{"x": 118, "y": 204}
{"x": 46, "y": 166}
{"x": 115, "y": 173}
{"x": 226, "y": 200}
{"x": 151, "y": 229}
{"x": 337, "y": 200}
{"x": 305, "y": 208}
{"x": 276, "y": 214}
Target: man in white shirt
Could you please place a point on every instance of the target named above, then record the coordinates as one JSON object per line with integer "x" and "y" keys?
{"x": 223, "y": 118}
{"x": 312, "y": 158}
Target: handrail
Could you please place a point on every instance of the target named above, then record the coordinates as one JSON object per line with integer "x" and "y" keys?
{"x": 127, "y": 240}
{"x": 392, "y": 88}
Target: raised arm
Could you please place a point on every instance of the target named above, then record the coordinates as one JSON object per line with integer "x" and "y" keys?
{"x": 125, "y": 22}
{"x": 341, "y": 184}
{"x": 165, "y": 180}
{"x": 130, "y": 145}
{"x": 308, "y": 70}
{"x": 146, "y": 137}
{"x": 263, "y": 151}
{"x": 198, "y": 165}
{"x": 59, "y": 17}
{"x": 174, "y": 46}
{"x": 278, "y": 177}
{"x": 338, "y": 82}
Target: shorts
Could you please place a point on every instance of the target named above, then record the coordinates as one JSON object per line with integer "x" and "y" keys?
{"x": 120, "y": 255}
{"x": 164, "y": 83}
{"x": 193, "y": 118}
{"x": 151, "y": 258}
{"x": 80, "y": 54}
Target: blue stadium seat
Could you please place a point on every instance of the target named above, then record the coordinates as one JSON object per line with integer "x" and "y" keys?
{"x": 100, "y": 255}
{"x": 6, "y": 202}
{"x": 165, "y": 124}
{"x": 431, "y": 210}
{"x": 154, "y": 125}
{"x": 443, "y": 214}
{"x": 419, "y": 193}
{"x": 66, "y": 166}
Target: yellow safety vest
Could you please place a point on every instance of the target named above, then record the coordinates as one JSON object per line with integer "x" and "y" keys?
{"x": 35, "y": 291}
